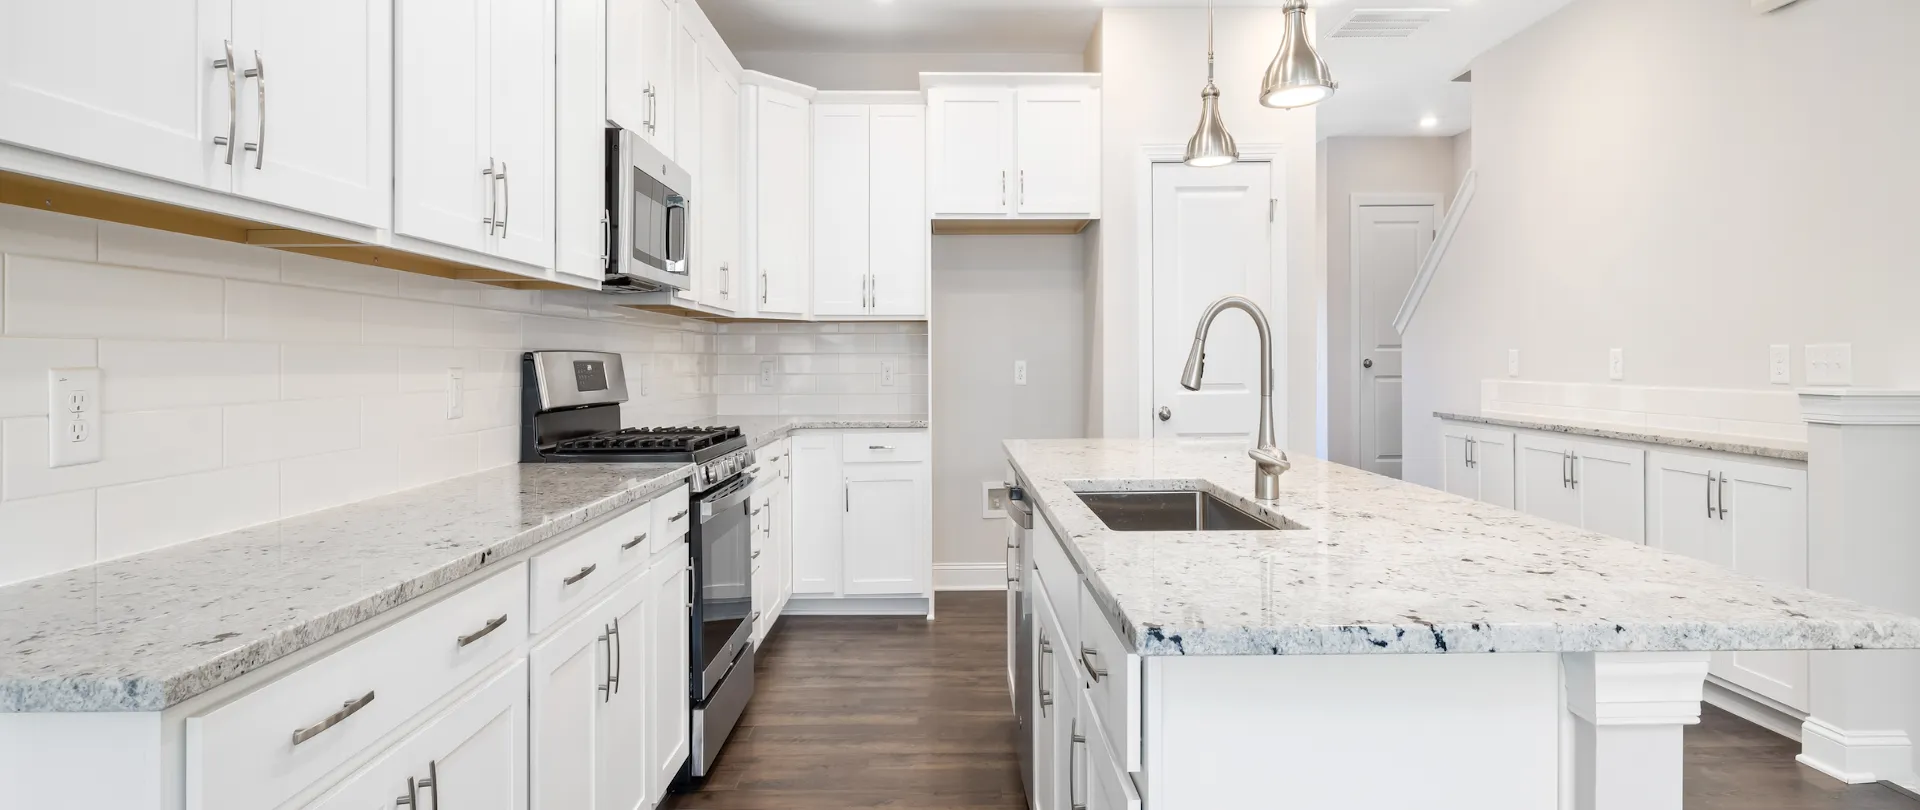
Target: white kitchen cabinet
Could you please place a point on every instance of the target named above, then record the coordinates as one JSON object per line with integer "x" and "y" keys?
{"x": 782, "y": 211}
{"x": 819, "y": 513}
{"x": 1597, "y": 487}
{"x": 1751, "y": 518}
{"x": 885, "y": 505}
{"x": 770, "y": 551}
{"x": 475, "y": 753}
{"x": 861, "y": 507}
{"x": 589, "y": 710}
{"x": 641, "y": 35}
{"x": 688, "y": 46}
{"x": 1477, "y": 463}
{"x": 842, "y": 235}
{"x": 626, "y": 723}
{"x": 900, "y": 238}
{"x": 580, "y": 142}
{"x": 1028, "y": 147}
{"x": 972, "y": 150}
{"x": 670, "y": 714}
{"x": 870, "y": 223}
{"x": 522, "y": 129}
{"x": 719, "y": 182}
{"x": 1055, "y": 172}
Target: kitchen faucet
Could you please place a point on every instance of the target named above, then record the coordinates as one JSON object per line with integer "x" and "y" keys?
{"x": 1268, "y": 460}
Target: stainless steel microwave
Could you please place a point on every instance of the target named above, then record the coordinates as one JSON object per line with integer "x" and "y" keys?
{"x": 649, "y": 210}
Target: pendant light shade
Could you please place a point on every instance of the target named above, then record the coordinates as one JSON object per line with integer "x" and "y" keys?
{"x": 1297, "y": 77}
{"x": 1211, "y": 145}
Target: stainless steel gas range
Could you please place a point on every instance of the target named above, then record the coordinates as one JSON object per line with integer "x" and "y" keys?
{"x": 570, "y": 405}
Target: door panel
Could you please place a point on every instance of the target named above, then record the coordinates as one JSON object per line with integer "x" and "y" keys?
{"x": 884, "y": 505}
{"x": 1055, "y": 152}
{"x": 1456, "y": 473}
{"x": 1493, "y": 463}
{"x": 477, "y": 747}
{"x": 660, "y": 34}
{"x": 1766, "y": 537}
{"x": 138, "y": 93}
{"x": 1211, "y": 238}
{"x": 666, "y": 663}
{"x": 566, "y": 673}
{"x": 522, "y": 127}
{"x": 1540, "y": 480}
{"x": 972, "y": 134}
{"x": 441, "y": 122}
{"x": 820, "y": 506}
{"x": 621, "y": 726}
{"x": 1612, "y": 486}
{"x": 843, "y": 218}
{"x": 324, "y": 133}
{"x": 785, "y": 202}
{"x": 1389, "y": 242}
{"x": 898, "y": 255}
{"x": 580, "y": 143}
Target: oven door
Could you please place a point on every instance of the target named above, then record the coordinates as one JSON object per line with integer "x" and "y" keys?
{"x": 723, "y": 579}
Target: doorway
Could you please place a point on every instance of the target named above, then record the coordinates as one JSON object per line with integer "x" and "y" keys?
{"x": 1212, "y": 236}
{"x": 1388, "y": 244}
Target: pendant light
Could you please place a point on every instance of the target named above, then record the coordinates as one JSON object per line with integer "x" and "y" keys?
{"x": 1297, "y": 77}
{"x": 1211, "y": 145}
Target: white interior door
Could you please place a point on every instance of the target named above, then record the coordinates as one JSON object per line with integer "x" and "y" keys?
{"x": 1211, "y": 238}
{"x": 1388, "y": 244}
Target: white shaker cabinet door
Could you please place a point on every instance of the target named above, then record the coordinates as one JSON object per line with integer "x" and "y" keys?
{"x": 843, "y": 218}
{"x": 670, "y": 716}
{"x": 820, "y": 506}
{"x": 568, "y": 689}
{"x": 621, "y": 775}
{"x": 1493, "y": 464}
{"x": 443, "y": 181}
{"x": 1456, "y": 462}
{"x": 522, "y": 129}
{"x": 783, "y": 203}
{"x": 580, "y": 142}
{"x": 1057, "y": 168}
{"x": 897, "y": 258}
{"x": 475, "y": 750}
{"x": 1611, "y": 483}
{"x": 661, "y": 31}
{"x": 885, "y": 509}
{"x": 1543, "y": 476}
{"x": 316, "y": 117}
{"x": 971, "y": 153}
{"x": 123, "y": 83}
{"x": 1765, "y": 526}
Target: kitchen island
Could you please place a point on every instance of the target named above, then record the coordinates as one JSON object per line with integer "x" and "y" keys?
{"x": 1396, "y": 646}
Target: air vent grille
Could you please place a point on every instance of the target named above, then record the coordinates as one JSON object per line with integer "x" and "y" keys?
{"x": 1385, "y": 23}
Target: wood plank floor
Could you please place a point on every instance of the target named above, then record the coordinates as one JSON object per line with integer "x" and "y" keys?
{"x": 913, "y": 715}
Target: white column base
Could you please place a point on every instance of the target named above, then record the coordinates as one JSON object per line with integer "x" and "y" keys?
{"x": 1856, "y": 757}
{"x": 1628, "y": 713}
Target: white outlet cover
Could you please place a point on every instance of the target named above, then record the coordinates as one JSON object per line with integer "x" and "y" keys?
{"x": 766, "y": 374}
{"x": 456, "y": 393}
{"x": 1513, "y": 362}
{"x": 1019, "y": 372}
{"x": 1829, "y": 364}
{"x": 886, "y": 374}
{"x": 991, "y": 507}
{"x": 646, "y": 376}
{"x": 1616, "y": 364}
{"x": 73, "y": 408}
{"x": 1780, "y": 364}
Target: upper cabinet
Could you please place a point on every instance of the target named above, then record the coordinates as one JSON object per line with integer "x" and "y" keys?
{"x": 780, "y": 213}
{"x": 1013, "y": 147}
{"x": 582, "y": 228}
{"x": 870, "y": 230}
{"x": 717, "y": 179}
{"x": 641, "y": 35}
{"x": 284, "y": 103}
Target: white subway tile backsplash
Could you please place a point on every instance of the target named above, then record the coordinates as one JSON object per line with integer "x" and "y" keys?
{"x": 424, "y": 461}
{"x": 56, "y": 298}
{"x": 317, "y": 371}
{"x": 320, "y": 482}
{"x": 136, "y": 446}
{"x": 487, "y": 329}
{"x": 150, "y": 375}
{"x": 164, "y": 250}
{"x": 23, "y": 370}
{"x": 271, "y": 431}
{"x": 499, "y": 447}
{"x": 315, "y": 271}
{"x": 272, "y": 312}
{"x": 1719, "y": 411}
{"x": 40, "y": 536}
{"x": 407, "y": 323}
{"x": 425, "y": 368}
{"x": 151, "y": 514}
{"x": 32, "y": 232}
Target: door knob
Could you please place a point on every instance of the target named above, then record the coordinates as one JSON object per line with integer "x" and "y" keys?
{"x": 1366, "y": 363}
{"x": 1165, "y": 413}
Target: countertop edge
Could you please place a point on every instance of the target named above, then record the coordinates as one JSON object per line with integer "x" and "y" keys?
{"x": 1755, "y": 446}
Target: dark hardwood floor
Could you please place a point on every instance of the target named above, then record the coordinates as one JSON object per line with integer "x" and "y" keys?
{"x": 912, "y": 715}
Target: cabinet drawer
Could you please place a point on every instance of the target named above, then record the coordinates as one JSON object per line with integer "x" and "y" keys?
{"x": 1107, "y": 787}
{"x": 671, "y": 515}
{"x": 242, "y": 755}
{"x": 631, "y": 533}
{"x": 568, "y": 576}
{"x": 477, "y": 747}
{"x": 1060, "y": 579}
{"x": 1113, "y": 680}
{"x": 892, "y": 445}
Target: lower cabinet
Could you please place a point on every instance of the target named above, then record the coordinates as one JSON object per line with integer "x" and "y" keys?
{"x": 861, "y": 514}
{"x": 772, "y": 543}
{"x": 670, "y": 715}
{"x": 590, "y": 709}
{"x": 472, "y": 755}
{"x": 1598, "y": 487}
{"x": 1477, "y": 463}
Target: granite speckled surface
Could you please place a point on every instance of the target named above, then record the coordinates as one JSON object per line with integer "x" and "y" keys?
{"x": 1385, "y": 566}
{"x": 764, "y": 430}
{"x": 1746, "y": 446}
{"x": 146, "y": 632}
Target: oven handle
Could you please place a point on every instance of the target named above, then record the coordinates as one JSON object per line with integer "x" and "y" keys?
{"x": 730, "y": 498}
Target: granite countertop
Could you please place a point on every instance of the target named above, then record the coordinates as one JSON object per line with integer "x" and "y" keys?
{"x": 146, "y": 632}
{"x": 1743, "y": 445}
{"x": 764, "y": 430}
{"x": 1384, "y": 566}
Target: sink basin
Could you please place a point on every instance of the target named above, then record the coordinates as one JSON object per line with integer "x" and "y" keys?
{"x": 1178, "y": 511}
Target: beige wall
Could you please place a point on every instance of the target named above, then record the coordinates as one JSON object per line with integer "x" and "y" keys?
{"x": 1709, "y": 196}
{"x": 997, "y": 299}
{"x": 897, "y": 71}
{"x": 1358, "y": 165}
{"x": 1153, "y": 64}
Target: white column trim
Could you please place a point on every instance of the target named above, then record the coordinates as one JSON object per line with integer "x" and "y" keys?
{"x": 1860, "y": 406}
{"x": 1636, "y": 689}
{"x": 1625, "y": 738}
{"x": 1855, "y": 757}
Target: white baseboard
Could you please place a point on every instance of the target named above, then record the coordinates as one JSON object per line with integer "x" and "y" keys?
{"x": 987, "y": 576}
{"x": 858, "y": 606}
{"x": 1856, "y": 757}
{"x": 1753, "y": 708}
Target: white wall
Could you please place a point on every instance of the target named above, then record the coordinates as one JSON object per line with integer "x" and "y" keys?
{"x": 1361, "y": 165}
{"x": 1691, "y": 205}
{"x": 896, "y": 71}
{"x": 241, "y": 385}
{"x": 821, "y": 369}
{"x": 997, "y": 299}
{"x": 1154, "y": 63}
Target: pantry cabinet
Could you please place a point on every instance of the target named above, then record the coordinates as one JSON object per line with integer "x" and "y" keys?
{"x": 1011, "y": 146}
{"x": 781, "y": 210}
{"x": 870, "y": 224}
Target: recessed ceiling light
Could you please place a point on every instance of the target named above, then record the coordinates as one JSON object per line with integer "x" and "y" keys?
{"x": 1429, "y": 122}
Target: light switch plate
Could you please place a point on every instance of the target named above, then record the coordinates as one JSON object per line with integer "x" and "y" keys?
{"x": 886, "y": 374}
{"x": 1513, "y": 362}
{"x": 73, "y": 416}
{"x": 646, "y": 378}
{"x": 766, "y": 374}
{"x": 456, "y": 393}
{"x": 1780, "y": 364}
{"x": 1616, "y": 364}
{"x": 1019, "y": 372}
{"x": 1829, "y": 364}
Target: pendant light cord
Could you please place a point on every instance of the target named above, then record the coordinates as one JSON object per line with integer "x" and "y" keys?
{"x": 1209, "y": 41}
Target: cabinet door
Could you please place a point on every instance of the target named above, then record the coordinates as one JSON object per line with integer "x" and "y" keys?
{"x": 580, "y": 142}
{"x": 123, "y": 83}
{"x": 671, "y": 716}
{"x": 1611, "y": 483}
{"x": 1107, "y": 785}
{"x": 783, "y": 547}
{"x": 1493, "y": 464}
{"x": 522, "y": 129}
{"x": 626, "y": 83}
{"x": 1065, "y": 786}
{"x": 1047, "y": 699}
{"x": 1057, "y": 152}
{"x": 623, "y": 727}
{"x": 783, "y": 202}
{"x": 886, "y": 505}
{"x": 441, "y": 123}
{"x": 687, "y": 58}
{"x": 319, "y": 111}
{"x": 1456, "y": 466}
{"x": 972, "y": 150}
{"x": 1765, "y": 530}
{"x": 1541, "y": 479}
{"x": 820, "y": 505}
{"x": 1680, "y": 518}
{"x": 660, "y": 33}
{"x": 567, "y": 690}
{"x": 843, "y": 218}
{"x": 720, "y": 183}
{"x": 477, "y": 748}
{"x": 899, "y": 233}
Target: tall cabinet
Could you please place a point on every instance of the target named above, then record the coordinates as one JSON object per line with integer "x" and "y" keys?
{"x": 871, "y": 239}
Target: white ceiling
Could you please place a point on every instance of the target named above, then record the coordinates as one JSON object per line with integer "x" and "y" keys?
{"x": 1386, "y": 85}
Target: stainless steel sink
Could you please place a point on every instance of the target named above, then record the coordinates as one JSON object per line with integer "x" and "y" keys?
{"x": 1177, "y": 511}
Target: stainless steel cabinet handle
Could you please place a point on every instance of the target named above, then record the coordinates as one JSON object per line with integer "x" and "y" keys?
{"x": 506, "y": 199}
{"x": 682, "y": 513}
{"x": 1566, "y": 468}
{"x": 619, "y": 658}
{"x": 493, "y": 205}
{"x": 1723, "y": 496}
{"x": 1003, "y": 188}
{"x": 879, "y": 447}
{"x": 412, "y": 797}
{"x": 1023, "y": 186}
{"x": 637, "y": 540}
{"x": 259, "y": 72}
{"x": 432, "y": 782}
{"x": 873, "y": 290}
{"x": 606, "y": 241}
{"x": 347, "y": 710}
{"x": 1573, "y": 469}
{"x": 490, "y": 626}
{"x": 1165, "y": 413}
{"x": 763, "y": 285}
{"x": 606, "y": 688}
{"x": 1077, "y": 739}
{"x": 1095, "y": 672}
{"x": 233, "y": 102}
{"x": 584, "y": 572}
{"x": 1709, "y": 495}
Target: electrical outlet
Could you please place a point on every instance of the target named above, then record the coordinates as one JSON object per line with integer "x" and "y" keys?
{"x": 73, "y": 416}
{"x": 456, "y": 393}
{"x": 1616, "y": 364}
{"x": 766, "y": 374}
{"x": 1829, "y": 364}
{"x": 1513, "y": 362}
{"x": 1019, "y": 372}
{"x": 992, "y": 506}
{"x": 886, "y": 374}
{"x": 1779, "y": 364}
